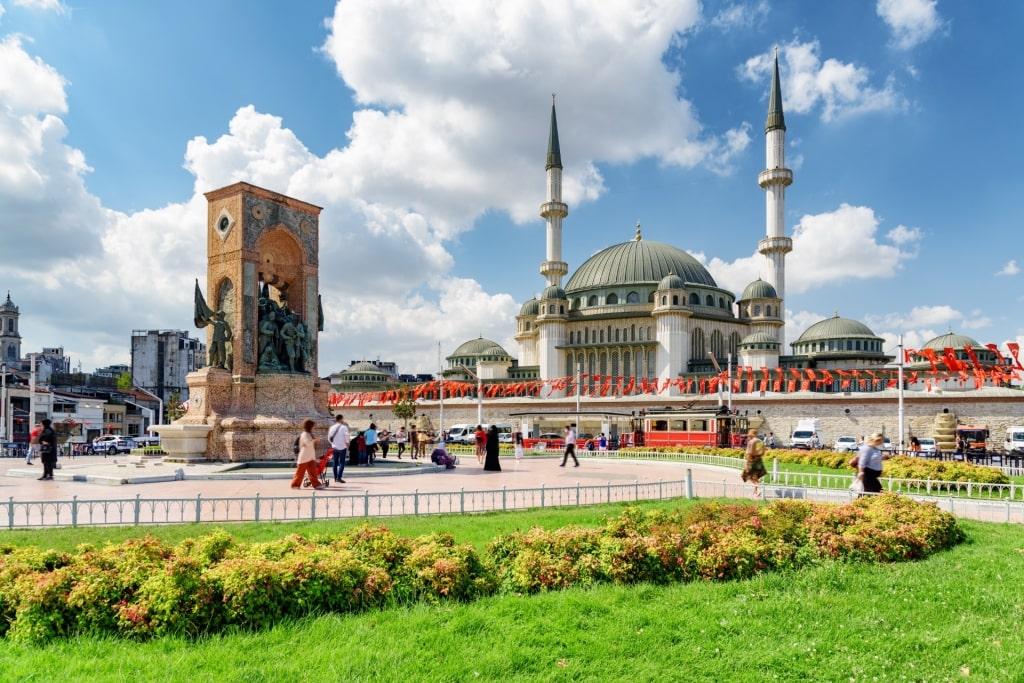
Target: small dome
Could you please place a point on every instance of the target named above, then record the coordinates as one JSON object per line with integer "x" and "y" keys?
{"x": 363, "y": 368}
{"x": 759, "y": 338}
{"x": 8, "y": 306}
{"x": 951, "y": 341}
{"x": 553, "y": 292}
{"x": 759, "y": 289}
{"x": 479, "y": 347}
{"x": 671, "y": 281}
{"x": 835, "y": 328}
{"x": 531, "y": 307}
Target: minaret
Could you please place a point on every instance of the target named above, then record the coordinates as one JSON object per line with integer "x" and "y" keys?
{"x": 774, "y": 180}
{"x": 554, "y": 210}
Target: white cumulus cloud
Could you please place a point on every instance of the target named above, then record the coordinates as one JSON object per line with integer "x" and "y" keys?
{"x": 911, "y": 21}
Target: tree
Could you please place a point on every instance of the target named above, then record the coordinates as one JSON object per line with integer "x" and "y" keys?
{"x": 404, "y": 408}
{"x": 124, "y": 381}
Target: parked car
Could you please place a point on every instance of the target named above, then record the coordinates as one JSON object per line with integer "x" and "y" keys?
{"x": 886, "y": 445}
{"x": 112, "y": 444}
{"x": 927, "y": 446}
{"x": 143, "y": 441}
{"x": 845, "y": 444}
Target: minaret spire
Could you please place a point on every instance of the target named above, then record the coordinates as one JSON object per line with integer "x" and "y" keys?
{"x": 554, "y": 209}
{"x": 774, "y": 180}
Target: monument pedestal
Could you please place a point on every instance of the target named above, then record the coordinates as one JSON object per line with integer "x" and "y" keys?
{"x": 254, "y": 418}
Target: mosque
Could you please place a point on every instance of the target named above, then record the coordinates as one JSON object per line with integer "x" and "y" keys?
{"x": 643, "y": 310}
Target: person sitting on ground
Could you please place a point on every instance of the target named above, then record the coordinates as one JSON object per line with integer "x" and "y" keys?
{"x": 440, "y": 456}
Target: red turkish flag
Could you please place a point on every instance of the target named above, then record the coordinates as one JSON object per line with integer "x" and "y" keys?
{"x": 953, "y": 364}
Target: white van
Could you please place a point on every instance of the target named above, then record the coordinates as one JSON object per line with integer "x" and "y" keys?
{"x": 461, "y": 433}
{"x": 1014, "y": 442}
{"x": 804, "y": 433}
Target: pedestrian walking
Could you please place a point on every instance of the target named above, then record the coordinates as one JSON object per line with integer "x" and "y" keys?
{"x": 338, "y": 436}
{"x": 570, "y": 446}
{"x": 306, "y": 462}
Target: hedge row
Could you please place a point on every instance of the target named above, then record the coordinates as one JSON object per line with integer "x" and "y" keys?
{"x": 901, "y": 466}
{"x": 143, "y": 588}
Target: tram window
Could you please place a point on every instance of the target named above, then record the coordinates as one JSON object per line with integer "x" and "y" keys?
{"x": 698, "y": 425}
{"x": 659, "y": 425}
{"x": 678, "y": 426}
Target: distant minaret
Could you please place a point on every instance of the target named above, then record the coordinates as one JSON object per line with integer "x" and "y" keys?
{"x": 774, "y": 180}
{"x": 554, "y": 209}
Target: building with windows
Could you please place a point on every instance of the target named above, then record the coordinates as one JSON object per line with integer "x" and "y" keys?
{"x": 162, "y": 358}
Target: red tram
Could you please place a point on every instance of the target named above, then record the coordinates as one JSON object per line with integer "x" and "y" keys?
{"x": 716, "y": 427}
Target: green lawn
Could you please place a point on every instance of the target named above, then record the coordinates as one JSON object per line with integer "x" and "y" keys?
{"x": 954, "y": 617}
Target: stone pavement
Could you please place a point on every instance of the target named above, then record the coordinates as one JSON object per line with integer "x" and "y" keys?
{"x": 97, "y": 478}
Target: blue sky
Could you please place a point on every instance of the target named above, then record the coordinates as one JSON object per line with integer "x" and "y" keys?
{"x": 421, "y": 128}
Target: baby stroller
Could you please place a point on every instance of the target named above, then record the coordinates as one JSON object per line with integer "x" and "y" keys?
{"x": 321, "y": 470}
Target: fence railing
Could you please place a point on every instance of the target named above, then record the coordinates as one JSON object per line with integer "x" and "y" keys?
{"x": 316, "y": 506}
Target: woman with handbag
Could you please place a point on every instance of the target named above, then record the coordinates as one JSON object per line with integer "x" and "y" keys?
{"x": 869, "y": 463}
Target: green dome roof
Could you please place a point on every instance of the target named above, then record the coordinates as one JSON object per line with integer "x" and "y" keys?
{"x": 362, "y": 367}
{"x": 553, "y": 292}
{"x": 671, "y": 281}
{"x": 531, "y": 307}
{"x": 952, "y": 341}
{"x": 759, "y": 338}
{"x": 759, "y": 289}
{"x": 480, "y": 347}
{"x": 835, "y": 328}
{"x": 637, "y": 262}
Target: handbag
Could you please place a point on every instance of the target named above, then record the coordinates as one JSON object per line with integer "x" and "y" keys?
{"x": 857, "y": 486}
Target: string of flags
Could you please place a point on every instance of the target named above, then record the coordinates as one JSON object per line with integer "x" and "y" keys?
{"x": 945, "y": 367}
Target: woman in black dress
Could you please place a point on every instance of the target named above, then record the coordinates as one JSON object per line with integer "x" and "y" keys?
{"x": 491, "y": 460}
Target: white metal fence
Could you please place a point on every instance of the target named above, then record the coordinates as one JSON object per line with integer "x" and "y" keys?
{"x": 140, "y": 511}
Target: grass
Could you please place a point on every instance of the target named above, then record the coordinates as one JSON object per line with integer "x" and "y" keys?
{"x": 953, "y": 617}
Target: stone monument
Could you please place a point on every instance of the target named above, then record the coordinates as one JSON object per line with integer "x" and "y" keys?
{"x": 262, "y": 313}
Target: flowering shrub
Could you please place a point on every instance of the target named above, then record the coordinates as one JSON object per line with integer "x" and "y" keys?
{"x": 144, "y": 588}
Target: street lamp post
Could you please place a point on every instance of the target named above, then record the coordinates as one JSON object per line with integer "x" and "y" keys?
{"x": 479, "y": 392}
{"x": 4, "y": 407}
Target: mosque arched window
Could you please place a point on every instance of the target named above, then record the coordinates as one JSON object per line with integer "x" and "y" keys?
{"x": 632, "y": 298}
{"x": 664, "y": 300}
{"x": 615, "y": 363}
{"x": 611, "y": 299}
{"x": 831, "y": 345}
{"x": 626, "y": 357}
{"x": 586, "y": 335}
{"x": 604, "y": 365}
{"x": 734, "y": 344}
{"x": 757, "y": 309}
{"x": 632, "y": 332}
{"x": 849, "y": 345}
{"x": 641, "y": 334}
{"x": 609, "y": 334}
{"x": 694, "y": 299}
{"x": 616, "y": 334}
{"x": 697, "y": 350}
{"x": 717, "y": 344}
{"x": 591, "y": 369}
{"x": 768, "y": 310}
{"x": 709, "y": 300}
{"x": 721, "y": 302}
{"x": 528, "y": 325}
{"x": 592, "y": 300}
{"x": 650, "y": 297}
{"x": 675, "y": 299}
{"x": 561, "y": 308}
{"x": 649, "y": 336}
{"x": 602, "y": 337}
{"x": 650, "y": 364}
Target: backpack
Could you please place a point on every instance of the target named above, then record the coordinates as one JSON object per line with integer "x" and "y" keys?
{"x": 295, "y": 446}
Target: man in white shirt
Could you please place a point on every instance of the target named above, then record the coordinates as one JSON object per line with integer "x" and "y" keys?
{"x": 339, "y": 438}
{"x": 570, "y": 446}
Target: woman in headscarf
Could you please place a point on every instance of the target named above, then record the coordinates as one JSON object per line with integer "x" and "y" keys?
{"x": 493, "y": 444}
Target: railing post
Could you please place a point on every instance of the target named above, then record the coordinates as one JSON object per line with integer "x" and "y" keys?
{"x": 199, "y": 507}
{"x": 636, "y": 490}
{"x": 366, "y": 503}
{"x": 10, "y": 512}
{"x": 312, "y": 506}
{"x": 503, "y": 508}
{"x": 415, "y": 501}
{"x": 1007, "y": 512}
{"x": 608, "y": 487}
{"x": 661, "y": 494}
{"x": 689, "y": 484}
{"x": 541, "y": 495}
{"x": 577, "y": 494}
{"x": 138, "y": 508}
{"x": 462, "y": 499}
{"x": 256, "y": 512}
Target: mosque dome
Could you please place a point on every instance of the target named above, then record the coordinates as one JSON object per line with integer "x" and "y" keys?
{"x": 8, "y": 305}
{"x": 638, "y": 261}
{"x": 951, "y": 341}
{"x": 553, "y": 292}
{"x": 531, "y": 307}
{"x": 671, "y": 281}
{"x": 480, "y": 349}
{"x": 835, "y": 328}
{"x": 759, "y": 289}
{"x": 760, "y": 340}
